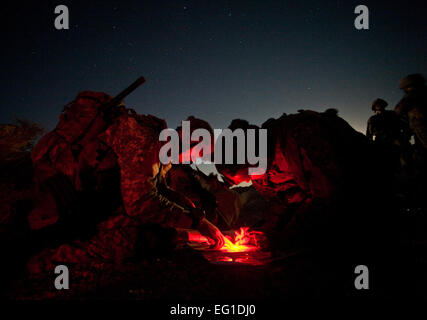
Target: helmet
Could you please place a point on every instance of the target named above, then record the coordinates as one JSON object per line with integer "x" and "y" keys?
{"x": 412, "y": 80}
{"x": 379, "y": 103}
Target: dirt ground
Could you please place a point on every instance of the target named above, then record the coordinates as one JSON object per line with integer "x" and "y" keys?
{"x": 186, "y": 275}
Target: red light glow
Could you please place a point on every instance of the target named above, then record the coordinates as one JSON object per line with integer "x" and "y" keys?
{"x": 243, "y": 241}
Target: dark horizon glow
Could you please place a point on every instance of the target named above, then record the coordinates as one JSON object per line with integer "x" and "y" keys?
{"x": 216, "y": 60}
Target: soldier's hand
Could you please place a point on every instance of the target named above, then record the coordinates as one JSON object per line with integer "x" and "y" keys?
{"x": 213, "y": 234}
{"x": 197, "y": 213}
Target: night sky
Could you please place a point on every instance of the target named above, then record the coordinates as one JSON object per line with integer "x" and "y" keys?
{"x": 217, "y": 60}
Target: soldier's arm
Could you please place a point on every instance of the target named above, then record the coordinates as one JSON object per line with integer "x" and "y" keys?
{"x": 172, "y": 198}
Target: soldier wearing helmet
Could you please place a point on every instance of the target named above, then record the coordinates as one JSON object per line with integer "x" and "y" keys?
{"x": 384, "y": 126}
{"x": 413, "y": 107}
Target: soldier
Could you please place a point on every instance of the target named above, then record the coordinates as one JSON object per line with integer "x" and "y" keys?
{"x": 383, "y": 127}
{"x": 386, "y": 130}
{"x": 122, "y": 154}
{"x": 412, "y": 108}
{"x": 319, "y": 181}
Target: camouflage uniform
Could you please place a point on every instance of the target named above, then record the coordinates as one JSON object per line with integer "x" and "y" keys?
{"x": 128, "y": 143}
{"x": 387, "y": 131}
{"x": 60, "y": 174}
{"x": 317, "y": 178}
{"x": 412, "y": 109}
{"x": 385, "y": 127}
